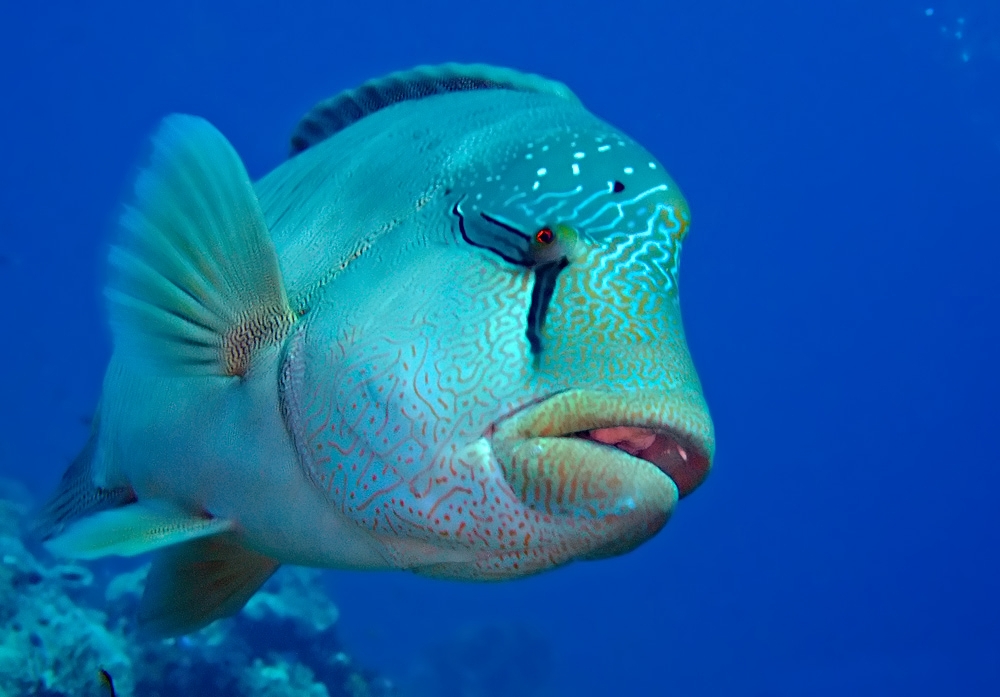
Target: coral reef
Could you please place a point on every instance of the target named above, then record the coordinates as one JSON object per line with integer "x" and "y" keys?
{"x": 61, "y": 623}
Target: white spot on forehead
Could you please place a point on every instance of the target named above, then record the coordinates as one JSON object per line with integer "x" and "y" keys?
{"x": 479, "y": 197}
{"x": 545, "y": 148}
{"x": 629, "y": 170}
{"x": 579, "y": 155}
{"x": 528, "y": 156}
{"x": 573, "y": 144}
{"x": 542, "y": 171}
{"x": 621, "y": 143}
{"x": 576, "y": 169}
{"x": 604, "y": 148}
{"x": 534, "y": 187}
{"x": 652, "y": 165}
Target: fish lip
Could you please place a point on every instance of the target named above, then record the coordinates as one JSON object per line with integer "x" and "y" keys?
{"x": 574, "y": 413}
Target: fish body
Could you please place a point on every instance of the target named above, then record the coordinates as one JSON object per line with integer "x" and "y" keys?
{"x": 444, "y": 336}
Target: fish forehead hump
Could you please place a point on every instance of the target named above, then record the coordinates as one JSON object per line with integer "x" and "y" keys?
{"x": 331, "y": 203}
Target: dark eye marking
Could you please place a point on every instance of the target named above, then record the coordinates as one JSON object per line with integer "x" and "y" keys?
{"x": 617, "y": 187}
{"x": 505, "y": 226}
{"x": 545, "y": 253}
{"x": 457, "y": 211}
{"x": 541, "y": 296}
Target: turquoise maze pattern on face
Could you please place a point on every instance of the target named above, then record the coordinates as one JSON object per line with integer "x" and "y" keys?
{"x": 613, "y": 321}
{"x": 649, "y": 255}
{"x": 394, "y": 426}
{"x": 600, "y": 184}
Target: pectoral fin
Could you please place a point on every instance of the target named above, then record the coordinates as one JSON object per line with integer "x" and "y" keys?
{"x": 195, "y": 287}
{"x": 192, "y": 585}
{"x": 132, "y": 529}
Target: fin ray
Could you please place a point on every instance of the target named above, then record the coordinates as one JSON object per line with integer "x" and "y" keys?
{"x": 195, "y": 286}
{"x": 340, "y": 111}
{"x": 78, "y": 494}
{"x": 194, "y": 584}
{"x": 132, "y": 529}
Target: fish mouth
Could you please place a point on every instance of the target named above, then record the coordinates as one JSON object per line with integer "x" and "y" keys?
{"x": 686, "y": 466}
{"x": 676, "y": 438}
{"x": 622, "y": 461}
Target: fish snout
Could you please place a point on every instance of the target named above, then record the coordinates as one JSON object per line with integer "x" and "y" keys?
{"x": 612, "y": 467}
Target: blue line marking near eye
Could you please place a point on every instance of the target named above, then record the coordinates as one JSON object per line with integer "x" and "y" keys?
{"x": 620, "y": 206}
{"x": 514, "y": 198}
{"x": 548, "y": 213}
{"x": 529, "y": 207}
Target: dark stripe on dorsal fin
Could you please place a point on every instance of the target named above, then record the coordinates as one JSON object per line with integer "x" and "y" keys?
{"x": 337, "y": 113}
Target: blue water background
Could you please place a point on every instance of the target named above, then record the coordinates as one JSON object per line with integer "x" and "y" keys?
{"x": 840, "y": 287}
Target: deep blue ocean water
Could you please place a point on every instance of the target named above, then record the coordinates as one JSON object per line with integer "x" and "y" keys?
{"x": 840, "y": 287}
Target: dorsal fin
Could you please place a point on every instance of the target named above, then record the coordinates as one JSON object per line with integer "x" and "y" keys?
{"x": 338, "y": 112}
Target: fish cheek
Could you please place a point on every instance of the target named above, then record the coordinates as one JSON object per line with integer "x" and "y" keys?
{"x": 389, "y": 423}
{"x": 383, "y": 417}
{"x": 335, "y": 396}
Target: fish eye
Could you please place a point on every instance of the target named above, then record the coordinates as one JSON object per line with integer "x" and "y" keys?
{"x": 552, "y": 243}
{"x": 503, "y": 237}
{"x": 545, "y": 236}
{"x": 617, "y": 187}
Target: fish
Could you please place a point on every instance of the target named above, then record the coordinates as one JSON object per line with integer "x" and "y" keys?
{"x": 106, "y": 683}
{"x": 443, "y": 336}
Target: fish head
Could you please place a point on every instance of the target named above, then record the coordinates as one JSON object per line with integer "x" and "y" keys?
{"x": 519, "y": 393}
{"x": 601, "y": 224}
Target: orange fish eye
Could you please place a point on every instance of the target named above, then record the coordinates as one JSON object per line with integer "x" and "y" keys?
{"x": 545, "y": 236}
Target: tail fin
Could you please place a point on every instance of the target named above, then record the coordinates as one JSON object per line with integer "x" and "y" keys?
{"x": 77, "y": 495}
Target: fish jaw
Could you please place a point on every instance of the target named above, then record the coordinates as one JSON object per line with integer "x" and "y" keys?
{"x": 619, "y": 462}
